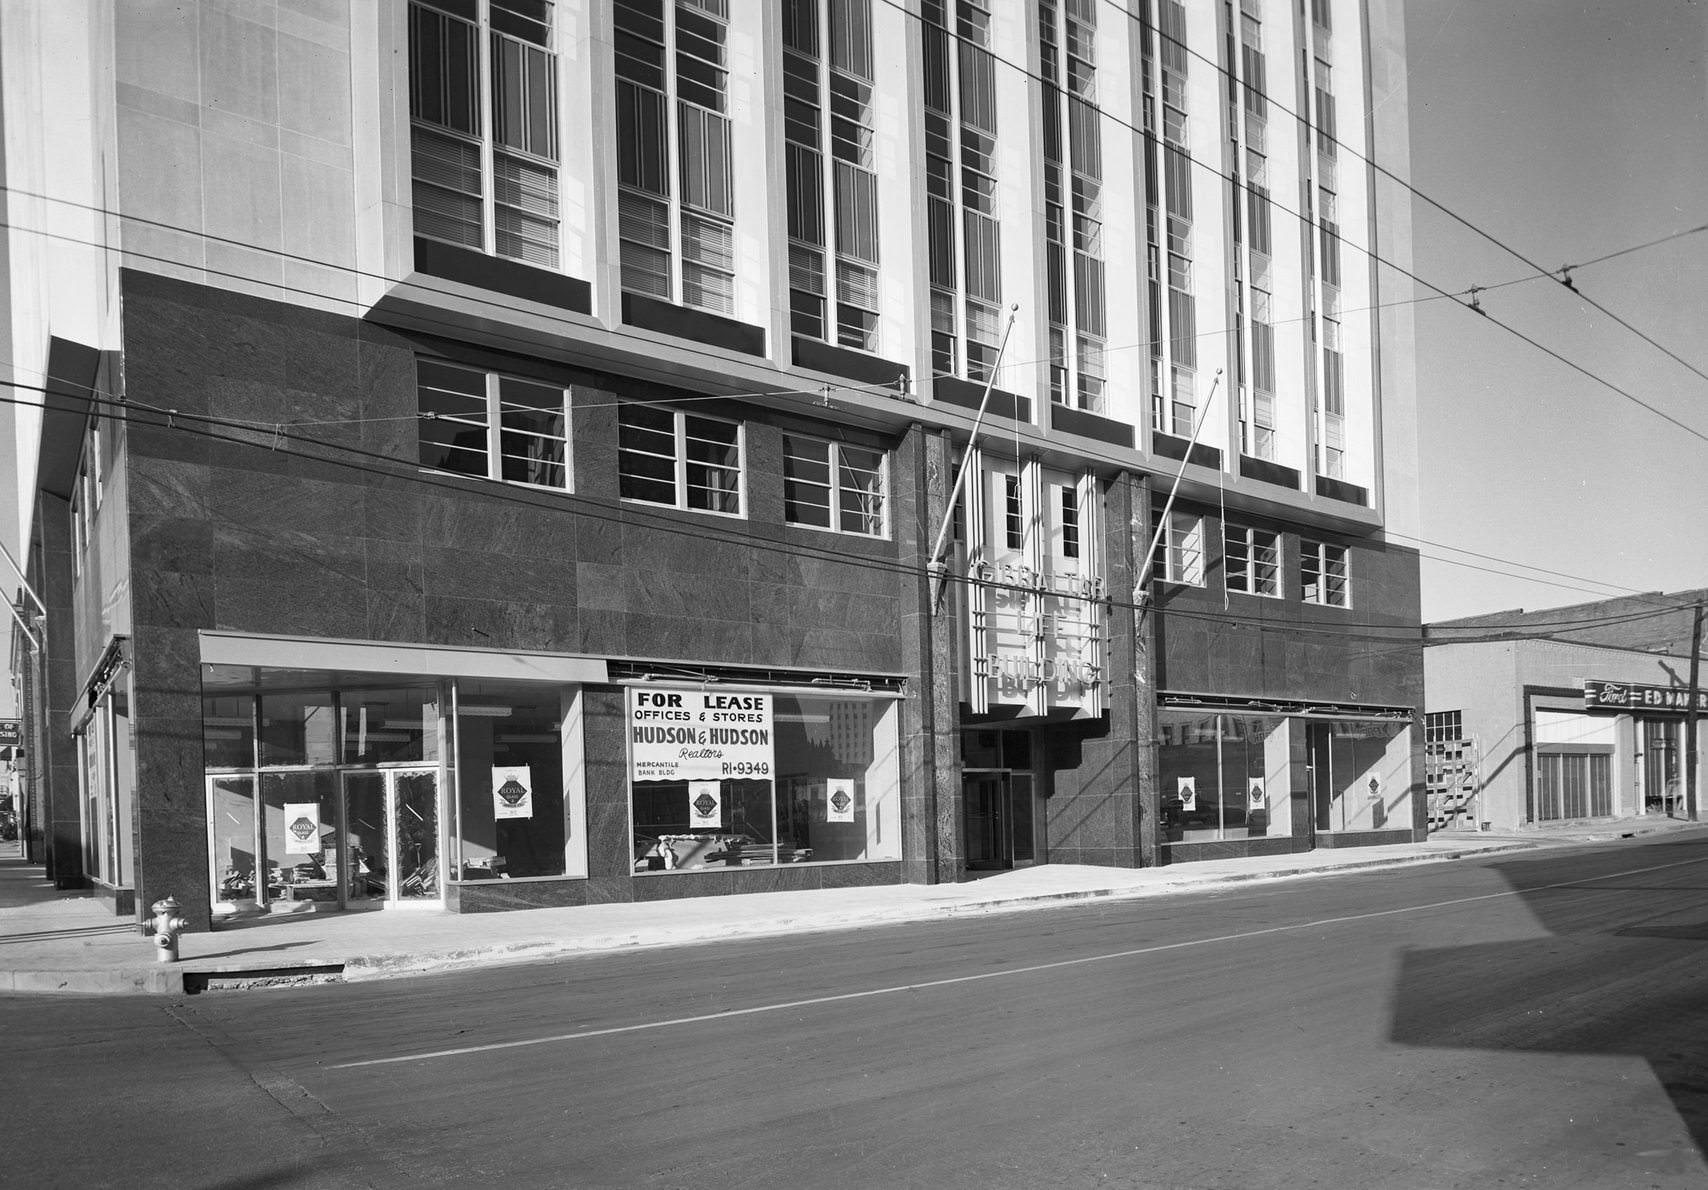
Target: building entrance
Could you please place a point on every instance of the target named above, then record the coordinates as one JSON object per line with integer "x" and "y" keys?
{"x": 1661, "y": 759}
{"x": 349, "y": 838}
{"x": 999, "y": 800}
{"x": 390, "y": 849}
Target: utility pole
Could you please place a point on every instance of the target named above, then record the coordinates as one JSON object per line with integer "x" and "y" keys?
{"x": 1690, "y": 744}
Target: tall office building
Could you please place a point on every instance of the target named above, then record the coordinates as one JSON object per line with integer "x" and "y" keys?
{"x": 496, "y": 453}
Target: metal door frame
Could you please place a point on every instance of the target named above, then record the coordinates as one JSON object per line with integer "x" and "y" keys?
{"x": 389, "y": 777}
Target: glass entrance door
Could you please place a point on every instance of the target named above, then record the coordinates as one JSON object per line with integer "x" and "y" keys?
{"x": 1663, "y": 787}
{"x": 986, "y": 800}
{"x": 1000, "y": 820}
{"x": 390, "y": 849}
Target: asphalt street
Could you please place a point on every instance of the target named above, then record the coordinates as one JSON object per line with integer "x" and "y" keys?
{"x": 1534, "y": 1020}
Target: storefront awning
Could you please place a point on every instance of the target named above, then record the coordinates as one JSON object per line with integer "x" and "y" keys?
{"x": 356, "y": 656}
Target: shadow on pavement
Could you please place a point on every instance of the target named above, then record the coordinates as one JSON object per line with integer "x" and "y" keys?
{"x": 226, "y": 954}
{"x": 101, "y": 931}
{"x": 1622, "y": 971}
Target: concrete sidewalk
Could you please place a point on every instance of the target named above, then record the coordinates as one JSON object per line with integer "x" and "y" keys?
{"x": 68, "y": 943}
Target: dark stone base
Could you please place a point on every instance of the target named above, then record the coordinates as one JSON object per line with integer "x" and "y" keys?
{"x": 1186, "y": 853}
{"x": 120, "y": 902}
{"x": 1371, "y": 839}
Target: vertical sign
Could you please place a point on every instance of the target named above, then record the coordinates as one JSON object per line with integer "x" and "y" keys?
{"x": 1188, "y": 793}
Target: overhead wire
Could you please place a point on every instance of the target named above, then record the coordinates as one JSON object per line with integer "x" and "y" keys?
{"x": 1439, "y": 293}
{"x": 361, "y": 460}
{"x": 1561, "y": 275}
{"x": 1369, "y": 252}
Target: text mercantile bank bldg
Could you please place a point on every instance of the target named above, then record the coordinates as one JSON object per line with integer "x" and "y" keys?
{"x": 486, "y": 454}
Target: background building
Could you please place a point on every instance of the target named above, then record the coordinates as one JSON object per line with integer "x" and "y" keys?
{"x": 1569, "y": 713}
{"x": 490, "y": 453}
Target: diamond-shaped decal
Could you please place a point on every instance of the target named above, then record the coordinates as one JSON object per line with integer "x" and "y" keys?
{"x": 303, "y": 829}
{"x": 512, "y": 792}
{"x": 840, "y": 801}
{"x": 705, "y": 804}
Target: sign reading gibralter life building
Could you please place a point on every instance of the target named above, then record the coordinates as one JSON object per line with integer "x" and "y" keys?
{"x": 699, "y": 735}
{"x": 1035, "y": 594}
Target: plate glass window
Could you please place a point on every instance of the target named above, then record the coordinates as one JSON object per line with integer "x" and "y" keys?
{"x": 484, "y": 125}
{"x": 1322, "y": 574}
{"x": 833, "y": 485}
{"x": 1183, "y": 552}
{"x": 684, "y": 460}
{"x": 1252, "y": 561}
{"x": 493, "y": 426}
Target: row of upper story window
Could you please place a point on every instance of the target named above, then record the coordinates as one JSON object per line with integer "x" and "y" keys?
{"x": 505, "y": 428}
{"x": 486, "y": 150}
{"x": 489, "y": 425}
{"x": 1252, "y": 562}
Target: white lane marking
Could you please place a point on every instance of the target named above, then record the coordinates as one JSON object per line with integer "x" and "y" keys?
{"x": 1060, "y": 964}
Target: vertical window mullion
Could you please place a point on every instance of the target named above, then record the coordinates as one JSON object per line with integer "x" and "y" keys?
{"x": 827, "y": 182}
{"x": 672, "y": 165}
{"x": 680, "y": 422}
{"x": 834, "y": 457}
{"x": 488, "y": 127}
{"x": 494, "y": 428}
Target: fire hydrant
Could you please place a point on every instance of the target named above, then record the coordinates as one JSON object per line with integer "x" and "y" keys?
{"x": 167, "y": 926}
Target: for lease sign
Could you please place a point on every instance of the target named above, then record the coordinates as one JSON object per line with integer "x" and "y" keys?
{"x": 699, "y": 735}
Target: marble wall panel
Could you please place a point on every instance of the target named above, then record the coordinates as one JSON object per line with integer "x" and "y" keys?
{"x": 499, "y": 624}
{"x": 544, "y": 577}
{"x": 462, "y": 514}
{"x": 172, "y": 600}
{"x": 165, "y": 486}
{"x": 694, "y": 599}
{"x": 603, "y": 632}
{"x": 602, "y": 588}
{"x": 727, "y": 642}
{"x": 599, "y": 537}
{"x": 685, "y": 547}
{"x": 391, "y": 511}
{"x": 179, "y": 545}
{"x": 858, "y": 875}
{"x": 501, "y": 896}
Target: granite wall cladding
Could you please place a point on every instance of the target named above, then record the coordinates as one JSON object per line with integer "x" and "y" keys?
{"x": 281, "y": 495}
{"x": 1283, "y": 648}
{"x": 1102, "y": 805}
{"x": 331, "y": 530}
{"x": 59, "y": 772}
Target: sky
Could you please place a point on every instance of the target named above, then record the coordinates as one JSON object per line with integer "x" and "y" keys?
{"x": 1567, "y": 130}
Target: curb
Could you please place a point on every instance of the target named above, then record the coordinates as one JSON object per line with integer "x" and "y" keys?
{"x": 191, "y": 977}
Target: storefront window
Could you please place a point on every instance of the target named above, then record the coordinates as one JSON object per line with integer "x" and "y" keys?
{"x": 1360, "y": 771}
{"x": 512, "y": 819}
{"x": 1224, "y": 776}
{"x": 397, "y": 725}
{"x": 228, "y": 732}
{"x": 356, "y": 802}
{"x": 231, "y": 818}
{"x": 300, "y": 830}
{"x": 298, "y": 728}
{"x": 816, "y": 780}
{"x": 108, "y": 781}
